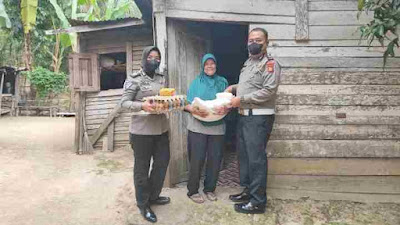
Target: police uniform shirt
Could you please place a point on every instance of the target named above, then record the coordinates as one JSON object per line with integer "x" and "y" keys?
{"x": 137, "y": 86}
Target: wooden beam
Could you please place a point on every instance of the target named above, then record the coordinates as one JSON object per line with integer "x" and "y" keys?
{"x": 161, "y": 36}
{"x": 104, "y": 125}
{"x": 229, "y": 17}
{"x": 129, "y": 59}
{"x": 94, "y": 27}
{"x": 301, "y": 20}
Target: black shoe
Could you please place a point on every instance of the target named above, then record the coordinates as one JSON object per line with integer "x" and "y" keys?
{"x": 249, "y": 208}
{"x": 148, "y": 214}
{"x": 160, "y": 201}
{"x": 241, "y": 197}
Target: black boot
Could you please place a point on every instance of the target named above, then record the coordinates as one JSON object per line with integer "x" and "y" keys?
{"x": 161, "y": 200}
{"x": 249, "y": 208}
{"x": 241, "y": 197}
{"x": 148, "y": 214}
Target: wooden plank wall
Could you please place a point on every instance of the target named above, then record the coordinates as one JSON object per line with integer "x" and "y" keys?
{"x": 100, "y": 104}
{"x": 337, "y": 130}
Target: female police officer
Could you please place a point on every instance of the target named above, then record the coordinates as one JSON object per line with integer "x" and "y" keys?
{"x": 148, "y": 133}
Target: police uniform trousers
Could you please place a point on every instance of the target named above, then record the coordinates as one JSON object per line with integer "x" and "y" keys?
{"x": 147, "y": 147}
{"x": 252, "y": 138}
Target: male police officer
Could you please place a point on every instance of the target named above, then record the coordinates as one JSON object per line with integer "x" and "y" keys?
{"x": 255, "y": 98}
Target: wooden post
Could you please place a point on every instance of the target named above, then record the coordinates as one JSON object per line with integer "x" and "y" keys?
{"x": 160, "y": 32}
{"x": 78, "y": 122}
{"x": 1, "y": 90}
{"x": 160, "y": 37}
{"x": 129, "y": 58}
{"x": 302, "y": 33}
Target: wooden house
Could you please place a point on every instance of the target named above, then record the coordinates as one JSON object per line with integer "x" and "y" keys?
{"x": 9, "y": 89}
{"x": 337, "y": 130}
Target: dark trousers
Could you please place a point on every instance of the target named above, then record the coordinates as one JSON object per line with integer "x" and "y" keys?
{"x": 200, "y": 148}
{"x": 144, "y": 148}
{"x": 253, "y": 134}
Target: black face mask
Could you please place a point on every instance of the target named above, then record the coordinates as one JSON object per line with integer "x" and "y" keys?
{"x": 254, "y": 48}
{"x": 151, "y": 65}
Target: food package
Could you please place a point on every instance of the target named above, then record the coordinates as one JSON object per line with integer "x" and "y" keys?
{"x": 223, "y": 99}
{"x": 167, "y": 92}
{"x": 164, "y": 104}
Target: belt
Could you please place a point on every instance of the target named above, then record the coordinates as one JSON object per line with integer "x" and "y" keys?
{"x": 256, "y": 112}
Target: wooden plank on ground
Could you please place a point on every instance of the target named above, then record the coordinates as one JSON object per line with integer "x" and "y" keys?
{"x": 334, "y": 148}
{"x": 347, "y": 77}
{"x": 335, "y": 132}
{"x": 335, "y": 166}
{"x": 337, "y": 184}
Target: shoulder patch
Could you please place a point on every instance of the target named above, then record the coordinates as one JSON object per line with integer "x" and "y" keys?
{"x": 270, "y": 65}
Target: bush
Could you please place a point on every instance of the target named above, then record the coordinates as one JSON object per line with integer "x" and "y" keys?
{"x": 47, "y": 82}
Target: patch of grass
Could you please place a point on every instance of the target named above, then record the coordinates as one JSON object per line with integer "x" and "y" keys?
{"x": 110, "y": 165}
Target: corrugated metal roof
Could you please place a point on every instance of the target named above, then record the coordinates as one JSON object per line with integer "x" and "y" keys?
{"x": 106, "y": 22}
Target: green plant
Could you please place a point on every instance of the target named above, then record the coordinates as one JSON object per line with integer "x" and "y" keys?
{"x": 384, "y": 26}
{"x": 47, "y": 82}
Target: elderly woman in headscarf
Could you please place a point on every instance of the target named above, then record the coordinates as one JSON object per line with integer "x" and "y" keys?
{"x": 205, "y": 139}
{"x": 148, "y": 133}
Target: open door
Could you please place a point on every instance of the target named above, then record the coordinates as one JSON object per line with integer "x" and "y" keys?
{"x": 187, "y": 43}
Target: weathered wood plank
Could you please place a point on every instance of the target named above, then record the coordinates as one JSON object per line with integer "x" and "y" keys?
{"x": 112, "y": 92}
{"x": 287, "y": 32}
{"x": 330, "y": 110}
{"x": 122, "y": 115}
{"x": 373, "y": 52}
{"x": 337, "y": 18}
{"x": 339, "y": 89}
{"x": 348, "y": 77}
{"x": 337, "y": 167}
{"x": 103, "y": 99}
{"x": 302, "y": 21}
{"x": 337, "y": 62}
{"x": 277, "y": 31}
{"x": 339, "y": 100}
{"x": 336, "y": 119}
{"x": 332, "y": 5}
{"x": 110, "y": 137}
{"x": 247, "y": 7}
{"x": 323, "y": 43}
{"x": 329, "y": 196}
{"x": 104, "y": 126}
{"x": 229, "y": 17}
{"x": 333, "y": 148}
{"x": 338, "y": 184}
{"x": 101, "y": 106}
{"x": 335, "y": 132}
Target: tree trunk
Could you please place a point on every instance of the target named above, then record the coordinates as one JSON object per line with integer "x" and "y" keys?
{"x": 27, "y": 51}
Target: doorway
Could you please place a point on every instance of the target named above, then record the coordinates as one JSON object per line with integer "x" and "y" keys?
{"x": 188, "y": 41}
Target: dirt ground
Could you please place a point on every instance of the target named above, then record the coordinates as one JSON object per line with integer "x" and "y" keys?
{"x": 43, "y": 182}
